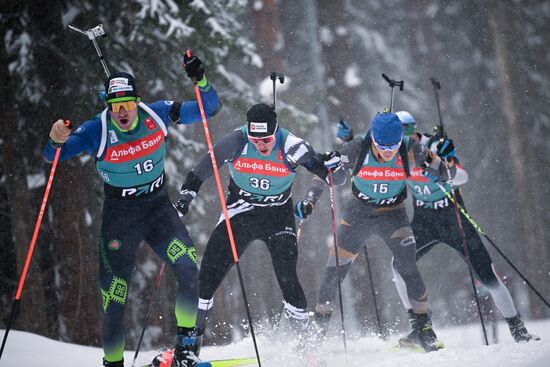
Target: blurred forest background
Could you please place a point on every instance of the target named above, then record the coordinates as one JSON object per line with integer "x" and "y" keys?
{"x": 493, "y": 61}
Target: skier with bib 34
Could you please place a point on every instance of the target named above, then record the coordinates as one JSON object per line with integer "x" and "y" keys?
{"x": 434, "y": 221}
{"x": 128, "y": 142}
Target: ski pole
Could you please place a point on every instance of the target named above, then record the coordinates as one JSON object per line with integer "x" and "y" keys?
{"x": 482, "y": 232}
{"x": 274, "y": 76}
{"x": 466, "y": 254}
{"x": 17, "y": 299}
{"x": 299, "y": 231}
{"x": 381, "y": 334}
{"x": 437, "y": 86}
{"x": 393, "y": 83}
{"x": 158, "y": 281}
{"x": 92, "y": 34}
{"x": 225, "y": 213}
{"x": 333, "y": 212}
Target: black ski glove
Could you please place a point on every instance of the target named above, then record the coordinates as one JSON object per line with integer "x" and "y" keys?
{"x": 332, "y": 161}
{"x": 184, "y": 201}
{"x": 193, "y": 67}
{"x": 303, "y": 209}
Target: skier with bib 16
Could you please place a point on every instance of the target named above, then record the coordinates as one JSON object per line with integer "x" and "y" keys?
{"x": 128, "y": 142}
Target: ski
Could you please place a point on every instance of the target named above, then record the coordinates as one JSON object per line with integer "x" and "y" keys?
{"x": 165, "y": 360}
{"x": 412, "y": 347}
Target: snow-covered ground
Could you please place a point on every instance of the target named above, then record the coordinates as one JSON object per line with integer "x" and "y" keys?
{"x": 464, "y": 347}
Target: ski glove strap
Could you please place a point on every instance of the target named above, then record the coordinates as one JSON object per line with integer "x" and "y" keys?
{"x": 344, "y": 131}
{"x": 332, "y": 160}
{"x": 446, "y": 149}
{"x": 303, "y": 209}
{"x": 184, "y": 201}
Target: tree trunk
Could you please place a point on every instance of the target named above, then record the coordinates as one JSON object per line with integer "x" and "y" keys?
{"x": 23, "y": 210}
{"x": 521, "y": 158}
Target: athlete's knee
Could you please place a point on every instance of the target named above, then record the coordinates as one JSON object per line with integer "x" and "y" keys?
{"x": 405, "y": 235}
{"x": 114, "y": 294}
{"x": 406, "y": 268}
{"x": 181, "y": 252}
{"x": 488, "y": 276}
{"x": 344, "y": 257}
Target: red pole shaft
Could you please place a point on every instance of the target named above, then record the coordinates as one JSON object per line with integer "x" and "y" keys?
{"x": 37, "y": 226}
{"x": 225, "y": 214}
{"x": 216, "y": 172}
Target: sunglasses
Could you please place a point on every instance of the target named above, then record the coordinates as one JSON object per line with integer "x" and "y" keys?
{"x": 265, "y": 140}
{"x": 388, "y": 148}
{"x": 127, "y": 105}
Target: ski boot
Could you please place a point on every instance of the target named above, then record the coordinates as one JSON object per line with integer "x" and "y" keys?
{"x": 186, "y": 352}
{"x": 519, "y": 331}
{"x": 319, "y": 325}
{"x": 410, "y": 340}
{"x": 422, "y": 334}
{"x": 113, "y": 364}
{"x": 298, "y": 320}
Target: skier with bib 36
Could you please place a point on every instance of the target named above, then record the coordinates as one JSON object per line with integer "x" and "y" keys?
{"x": 434, "y": 221}
{"x": 128, "y": 142}
{"x": 379, "y": 161}
{"x": 262, "y": 159}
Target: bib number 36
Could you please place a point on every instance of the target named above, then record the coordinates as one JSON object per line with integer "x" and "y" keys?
{"x": 260, "y": 183}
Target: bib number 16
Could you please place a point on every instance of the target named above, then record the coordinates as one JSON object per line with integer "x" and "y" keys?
{"x": 146, "y": 166}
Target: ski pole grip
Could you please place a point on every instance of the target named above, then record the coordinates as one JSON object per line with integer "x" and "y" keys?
{"x": 69, "y": 124}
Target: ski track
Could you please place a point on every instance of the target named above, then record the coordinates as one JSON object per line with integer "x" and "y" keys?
{"x": 463, "y": 347}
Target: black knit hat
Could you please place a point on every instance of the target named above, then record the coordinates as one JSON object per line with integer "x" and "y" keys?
{"x": 261, "y": 120}
{"x": 120, "y": 87}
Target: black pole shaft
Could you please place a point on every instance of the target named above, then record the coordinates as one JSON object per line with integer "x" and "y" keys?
{"x": 436, "y": 86}
{"x": 274, "y": 96}
{"x": 146, "y": 322}
{"x": 101, "y": 58}
{"x": 466, "y": 254}
{"x": 517, "y": 271}
{"x": 337, "y": 257}
{"x": 482, "y": 232}
{"x": 14, "y": 308}
{"x": 381, "y": 334}
{"x": 248, "y": 314}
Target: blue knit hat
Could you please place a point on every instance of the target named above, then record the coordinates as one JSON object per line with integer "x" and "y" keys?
{"x": 386, "y": 129}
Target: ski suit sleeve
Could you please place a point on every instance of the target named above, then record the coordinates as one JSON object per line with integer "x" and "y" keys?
{"x": 224, "y": 150}
{"x": 461, "y": 176}
{"x": 189, "y": 112}
{"x": 350, "y": 152}
{"x": 300, "y": 153}
{"x": 85, "y": 138}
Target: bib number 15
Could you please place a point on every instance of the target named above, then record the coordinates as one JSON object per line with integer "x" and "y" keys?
{"x": 260, "y": 183}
